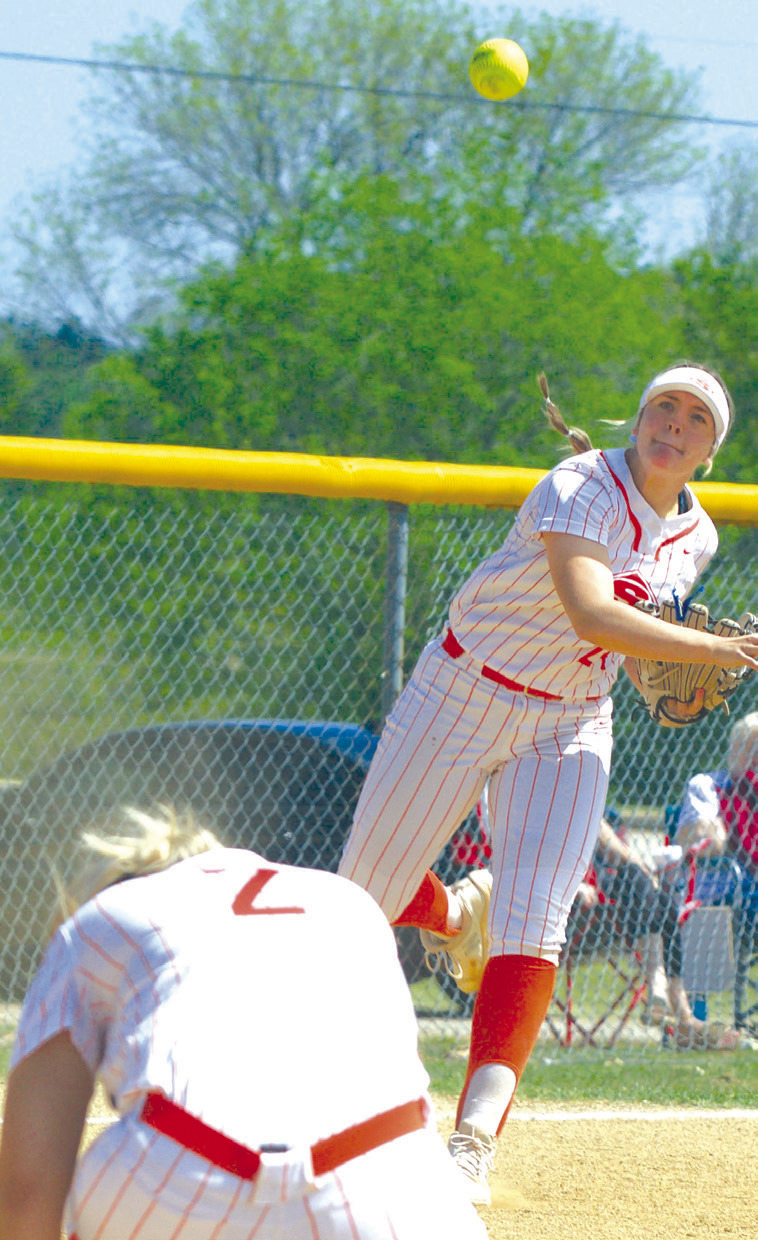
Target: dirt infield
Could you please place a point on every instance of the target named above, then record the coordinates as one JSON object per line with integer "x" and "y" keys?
{"x": 634, "y": 1175}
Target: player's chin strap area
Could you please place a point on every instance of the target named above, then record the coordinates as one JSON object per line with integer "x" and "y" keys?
{"x": 173, "y": 1121}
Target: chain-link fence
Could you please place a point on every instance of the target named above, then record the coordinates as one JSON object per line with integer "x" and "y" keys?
{"x": 233, "y": 652}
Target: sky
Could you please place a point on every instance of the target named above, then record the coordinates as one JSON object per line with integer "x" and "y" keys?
{"x": 42, "y": 122}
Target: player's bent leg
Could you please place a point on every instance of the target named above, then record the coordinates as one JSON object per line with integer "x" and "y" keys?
{"x": 432, "y": 907}
{"x": 420, "y": 786}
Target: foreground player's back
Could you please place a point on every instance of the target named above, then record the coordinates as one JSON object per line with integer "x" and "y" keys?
{"x": 226, "y": 959}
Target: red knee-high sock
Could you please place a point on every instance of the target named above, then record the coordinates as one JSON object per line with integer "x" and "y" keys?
{"x": 513, "y": 998}
{"x": 428, "y": 908}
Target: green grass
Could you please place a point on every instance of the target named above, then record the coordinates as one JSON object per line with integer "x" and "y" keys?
{"x": 632, "y": 1073}
{"x": 429, "y": 999}
{"x": 657, "y": 1076}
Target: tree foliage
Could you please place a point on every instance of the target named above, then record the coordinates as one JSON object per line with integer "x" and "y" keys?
{"x": 192, "y": 165}
{"x": 731, "y": 231}
{"x": 41, "y": 373}
{"x": 719, "y": 309}
{"x": 414, "y": 335}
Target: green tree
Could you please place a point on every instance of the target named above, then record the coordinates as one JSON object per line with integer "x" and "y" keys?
{"x": 719, "y": 308}
{"x": 731, "y": 224}
{"x": 41, "y": 373}
{"x": 15, "y": 383}
{"x": 416, "y": 335}
{"x": 191, "y": 166}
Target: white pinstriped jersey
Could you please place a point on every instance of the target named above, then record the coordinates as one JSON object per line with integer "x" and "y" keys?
{"x": 266, "y": 1000}
{"x": 508, "y": 614}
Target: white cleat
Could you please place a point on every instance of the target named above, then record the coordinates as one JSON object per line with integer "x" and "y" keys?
{"x": 473, "y": 1152}
{"x": 465, "y": 955}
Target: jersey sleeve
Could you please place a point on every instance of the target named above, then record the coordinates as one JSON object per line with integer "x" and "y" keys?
{"x": 58, "y": 1001}
{"x": 573, "y": 499}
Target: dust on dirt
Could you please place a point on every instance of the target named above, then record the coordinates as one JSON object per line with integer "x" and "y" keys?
{"x": 651, "y": 1174}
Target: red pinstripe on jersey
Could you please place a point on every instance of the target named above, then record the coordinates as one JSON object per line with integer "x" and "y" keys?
{"x": 354, "y": 1230}
{"x": 120, "y": 1185}
{"x": 631, "y": 514}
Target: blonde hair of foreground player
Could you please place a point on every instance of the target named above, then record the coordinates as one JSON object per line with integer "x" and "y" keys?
{"x": 192, "y": 984}
{"x": 515, "y": 695}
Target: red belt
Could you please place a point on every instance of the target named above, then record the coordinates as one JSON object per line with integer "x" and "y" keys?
{"x": 173, "y": 1121}
{"x": 453, "y": 647}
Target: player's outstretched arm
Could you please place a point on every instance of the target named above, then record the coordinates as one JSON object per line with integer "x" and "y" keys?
{"x": 45, "y": 1107}
{"x": 583, "y": 580}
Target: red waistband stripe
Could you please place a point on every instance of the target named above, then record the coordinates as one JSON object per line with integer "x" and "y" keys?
{"x": 173, "y": 1121}
{"x": 453, "y": 647}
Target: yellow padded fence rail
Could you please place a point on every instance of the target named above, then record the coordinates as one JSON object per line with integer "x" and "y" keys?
{"x": 329, "y": 477}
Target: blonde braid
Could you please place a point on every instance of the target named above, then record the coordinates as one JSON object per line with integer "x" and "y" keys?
{"x": 579, "y": 439}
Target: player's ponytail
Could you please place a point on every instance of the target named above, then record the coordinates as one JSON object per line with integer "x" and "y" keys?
{"x": 139, "y": 844}
{"x": 579, "y": 439}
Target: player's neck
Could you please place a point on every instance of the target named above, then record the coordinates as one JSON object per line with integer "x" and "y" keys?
{"x": 660, "y": 488}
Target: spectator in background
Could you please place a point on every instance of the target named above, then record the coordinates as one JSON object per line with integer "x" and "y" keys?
{"x": 645, "y": 913}
{"x": 620, "y": 878}
{"x": 720, "y": 808}
{"x": 718, "y": 818}
{"x": 229, "y": 1007}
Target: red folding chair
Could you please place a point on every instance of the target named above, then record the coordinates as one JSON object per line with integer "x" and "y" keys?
{"x": 601, "y": 979}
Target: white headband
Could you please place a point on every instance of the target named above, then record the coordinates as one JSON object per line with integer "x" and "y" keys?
{"x": 699, "y": 383}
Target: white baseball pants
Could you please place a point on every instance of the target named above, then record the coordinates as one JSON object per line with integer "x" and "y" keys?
{"x": 133, "y": 1183}
{"x": 546, "y": 765}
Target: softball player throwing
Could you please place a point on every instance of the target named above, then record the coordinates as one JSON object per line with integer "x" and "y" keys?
{"x": 515, "y": 694}
{"x": 236, "y": 1062}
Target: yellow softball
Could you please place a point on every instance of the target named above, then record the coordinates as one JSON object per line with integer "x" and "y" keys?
{"x": 498, "y": 69}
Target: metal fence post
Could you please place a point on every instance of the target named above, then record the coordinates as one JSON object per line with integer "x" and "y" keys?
{"x": 394, "y": 604}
